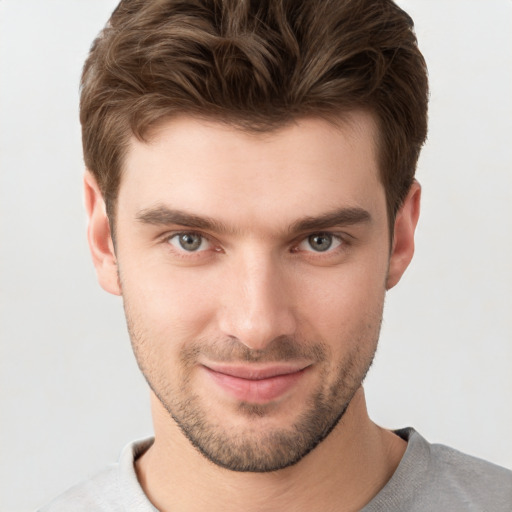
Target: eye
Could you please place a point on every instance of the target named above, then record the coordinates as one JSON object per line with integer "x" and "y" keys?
{"x": 320, "y": 242}
{"x": 190, "y": 242}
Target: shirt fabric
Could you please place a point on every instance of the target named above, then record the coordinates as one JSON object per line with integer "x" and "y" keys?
{"x": 430, "y": 477}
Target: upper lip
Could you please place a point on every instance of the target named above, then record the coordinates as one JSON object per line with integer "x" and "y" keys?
{"x": 254, "y": 371}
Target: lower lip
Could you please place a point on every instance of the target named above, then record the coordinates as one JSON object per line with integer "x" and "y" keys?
{"x": 256, "y": 391}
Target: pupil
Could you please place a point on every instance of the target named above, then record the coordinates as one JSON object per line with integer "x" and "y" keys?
{"x": 190, "y": 242}
{"x": 320, "y": 242}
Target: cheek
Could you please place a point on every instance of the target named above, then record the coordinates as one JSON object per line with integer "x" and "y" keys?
{"x": 180, "y": 304}
{"x": 169, "y": 305}
{"x": 343, "y": 303}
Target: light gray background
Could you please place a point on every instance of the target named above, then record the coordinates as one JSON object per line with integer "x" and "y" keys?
{"x": 70, "y": 393}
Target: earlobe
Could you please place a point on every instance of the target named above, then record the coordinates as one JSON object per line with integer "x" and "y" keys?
{"x": 403, "y": 240}
{"x": 99, "y": 237}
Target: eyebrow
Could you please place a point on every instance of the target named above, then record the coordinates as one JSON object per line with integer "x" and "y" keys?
{"x": 164, "y": 216}
{"x": 340, "y": 217}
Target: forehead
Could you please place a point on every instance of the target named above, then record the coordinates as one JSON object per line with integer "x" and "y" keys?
{"x": 304, "y": 168}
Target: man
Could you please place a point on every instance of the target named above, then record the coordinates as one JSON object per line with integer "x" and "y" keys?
{"x": 251, "y": 195}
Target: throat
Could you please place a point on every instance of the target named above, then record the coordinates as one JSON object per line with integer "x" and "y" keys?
{"x": 344, "y": 472}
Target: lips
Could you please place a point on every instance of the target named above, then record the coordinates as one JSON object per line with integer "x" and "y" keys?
{"x": 256, "y": 384}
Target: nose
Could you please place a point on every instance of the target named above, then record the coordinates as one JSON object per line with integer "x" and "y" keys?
{"x": 257, "y": 301}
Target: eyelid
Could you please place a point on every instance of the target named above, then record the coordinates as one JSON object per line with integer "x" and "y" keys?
{"x": 166, "y": 238}
{"x": 178, "y": 238}
{"x": 342, "y": 238}
{"x": 336, "y": 241}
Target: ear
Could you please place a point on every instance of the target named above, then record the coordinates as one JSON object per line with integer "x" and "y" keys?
{"x": 403, "y": 240}
{"x": 99, "y": 237}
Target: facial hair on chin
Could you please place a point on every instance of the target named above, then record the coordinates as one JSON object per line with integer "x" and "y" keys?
{"x": 251, "y": 449}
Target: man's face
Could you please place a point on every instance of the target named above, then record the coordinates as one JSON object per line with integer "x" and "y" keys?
{"x": 253, "y": 271}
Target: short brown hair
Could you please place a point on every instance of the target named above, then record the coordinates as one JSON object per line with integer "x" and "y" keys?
{"x": 257, "y": 64}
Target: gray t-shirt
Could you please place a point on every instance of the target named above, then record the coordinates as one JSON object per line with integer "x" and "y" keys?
{"x": 430, "y": 477}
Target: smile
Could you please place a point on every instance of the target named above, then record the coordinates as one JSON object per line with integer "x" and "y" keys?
{"x": 255, "y": 384}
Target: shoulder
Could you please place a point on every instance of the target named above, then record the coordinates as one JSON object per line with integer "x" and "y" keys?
{"x": 473, "y": 480}
{"x": 115, "y": 489}
{"x": 99, "y": 493}
{"x": 437, "y": 477}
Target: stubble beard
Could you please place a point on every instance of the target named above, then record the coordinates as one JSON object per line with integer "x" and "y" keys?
{"x": 253, "y": 449}
{"x": 260, "y": 451}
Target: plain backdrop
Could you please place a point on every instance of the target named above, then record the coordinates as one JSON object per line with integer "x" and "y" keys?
{"x": 70, "y": 393}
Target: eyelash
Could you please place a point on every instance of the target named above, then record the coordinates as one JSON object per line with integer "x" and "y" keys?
{"x": 342, "y": 239}
{"x": 334, "y": 239}
{"x": 184, "y": 253}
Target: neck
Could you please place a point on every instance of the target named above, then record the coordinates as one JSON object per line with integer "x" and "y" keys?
{"x": 344, "y": 472}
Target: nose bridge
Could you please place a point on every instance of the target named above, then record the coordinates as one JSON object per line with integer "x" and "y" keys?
{"x": 257, "y": 307}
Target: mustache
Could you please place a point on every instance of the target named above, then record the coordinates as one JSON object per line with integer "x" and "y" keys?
{"x": 232, "y": 350}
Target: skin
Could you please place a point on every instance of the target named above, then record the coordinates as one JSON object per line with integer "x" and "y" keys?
{"x": 256, "y": 295}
